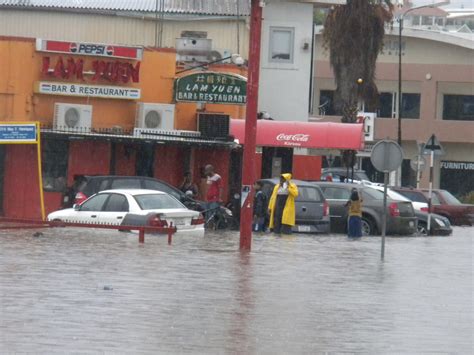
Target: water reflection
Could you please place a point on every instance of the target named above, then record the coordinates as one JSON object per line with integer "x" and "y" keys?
{"x": 88, "y": 291}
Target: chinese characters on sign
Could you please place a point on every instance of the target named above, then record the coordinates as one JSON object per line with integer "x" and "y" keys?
{"x": 211, "y": 87}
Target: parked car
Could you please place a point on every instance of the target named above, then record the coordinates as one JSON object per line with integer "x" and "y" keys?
{"x": 89, "y": 185}
{"x": 312, "y": 209}
{"x": 340, "y": 174}
{"x": 394, "y": 195}
{"x": 130, "y": 207}
{"x": 443, "y": 203}
{"x": 439, "y": 225}
{"x": 401, "y": 217}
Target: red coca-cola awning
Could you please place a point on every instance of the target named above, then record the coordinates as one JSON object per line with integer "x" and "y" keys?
{"x": 317, "y": 135}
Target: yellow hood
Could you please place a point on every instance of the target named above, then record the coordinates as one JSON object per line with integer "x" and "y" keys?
{"x": 287, "y": 176}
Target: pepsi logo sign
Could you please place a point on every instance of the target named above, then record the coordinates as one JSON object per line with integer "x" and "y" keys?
{"x": 109, "y": 50}
{"x": 73, "y": 47}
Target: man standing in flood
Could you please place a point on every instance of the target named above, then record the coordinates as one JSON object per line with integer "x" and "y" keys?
{"x": 282, "y": 205}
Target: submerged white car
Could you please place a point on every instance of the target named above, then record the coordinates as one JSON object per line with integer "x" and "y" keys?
{"x": 132, "y": 207}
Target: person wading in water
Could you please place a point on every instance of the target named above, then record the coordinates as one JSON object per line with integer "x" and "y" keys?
{"x": 282, "y": 205}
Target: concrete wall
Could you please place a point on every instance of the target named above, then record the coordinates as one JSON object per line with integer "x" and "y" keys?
{"x": 137, "y": 30}
{"x": 284, "y": 88}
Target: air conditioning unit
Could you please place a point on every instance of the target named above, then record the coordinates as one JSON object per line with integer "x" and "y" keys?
{"x": 155, "y": 116}
{"x": 213, "y": 125}
{"x": 189, "y": 49}
{"x": 72, "y": 117}
{"x": 215, "y": 55}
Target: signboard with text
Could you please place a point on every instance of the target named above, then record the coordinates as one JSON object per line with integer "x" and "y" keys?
{"x": 91, "y": 49}
{"x": 212, "y": 87}
{"x": 368, "y": 119}
{"x": 18, "y": 133}
{"x": 69, "y": 89}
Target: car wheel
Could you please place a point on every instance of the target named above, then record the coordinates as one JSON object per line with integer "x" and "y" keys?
{"x": 422, "y": 228}
{"x": 367, "y": 227}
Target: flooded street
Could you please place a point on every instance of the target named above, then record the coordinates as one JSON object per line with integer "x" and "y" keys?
{"x": 74, "y": 290}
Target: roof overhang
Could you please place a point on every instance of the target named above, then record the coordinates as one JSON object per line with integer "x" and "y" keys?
{"x": 313, "y": 135}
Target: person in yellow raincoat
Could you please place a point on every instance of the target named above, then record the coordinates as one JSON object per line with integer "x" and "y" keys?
{"x": 282, "y": 205}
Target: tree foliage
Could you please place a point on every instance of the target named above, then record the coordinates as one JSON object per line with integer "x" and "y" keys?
{"x": 353, "y": 34}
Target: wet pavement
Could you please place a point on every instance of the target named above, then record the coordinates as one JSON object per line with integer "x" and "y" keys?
{"x": 83, "y": 291}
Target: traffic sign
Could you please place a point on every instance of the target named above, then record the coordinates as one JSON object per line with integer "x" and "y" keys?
{"x": 433, "y": 145}
{"x": 418, "y": 163}
{"x": 386, "y": 156}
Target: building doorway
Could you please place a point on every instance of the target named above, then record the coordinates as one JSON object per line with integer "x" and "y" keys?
{"x": 145, "y": 159}
{"x": 276, "y": 161}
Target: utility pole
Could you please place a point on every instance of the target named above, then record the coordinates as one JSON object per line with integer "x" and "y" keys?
{"x": 248, "y": 171}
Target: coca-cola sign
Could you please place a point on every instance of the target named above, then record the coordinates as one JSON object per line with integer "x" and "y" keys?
{"x": 292, "y": 139}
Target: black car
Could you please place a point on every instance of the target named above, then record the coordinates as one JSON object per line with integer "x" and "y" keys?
{"x": 312, "y": 210}
{"x": 87, "y": 185}
{"x": 440, "y": 225}
{"x": 401, "y": 217}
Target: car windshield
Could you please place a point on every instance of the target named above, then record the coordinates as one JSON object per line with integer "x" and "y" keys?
{"x": 414, "y": 196}
{"x": 157, "y": 202}
{"x": 396, "y": 196}
{"x": 450, "y": 199}
{"x": 372, "y": 194}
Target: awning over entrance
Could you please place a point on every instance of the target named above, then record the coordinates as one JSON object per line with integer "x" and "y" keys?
{"x": 316, "y": 135}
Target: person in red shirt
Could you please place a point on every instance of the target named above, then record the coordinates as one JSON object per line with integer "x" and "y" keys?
{"x": 214, "y": 186}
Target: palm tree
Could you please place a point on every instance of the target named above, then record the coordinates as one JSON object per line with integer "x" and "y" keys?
{"x": 353, "y": 34}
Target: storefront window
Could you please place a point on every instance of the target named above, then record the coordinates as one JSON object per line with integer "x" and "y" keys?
{"x": 55, "y": 157}
{"x": 452, "y": 172}
{"x": 326, "y": 103}
{"x": 458, "y": 107}
{"x": 281, "y": 44}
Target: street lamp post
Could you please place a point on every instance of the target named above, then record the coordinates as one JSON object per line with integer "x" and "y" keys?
{"x": 399, "y": 93}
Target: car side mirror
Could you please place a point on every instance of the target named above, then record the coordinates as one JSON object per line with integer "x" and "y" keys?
{"x": 76, "y": 207}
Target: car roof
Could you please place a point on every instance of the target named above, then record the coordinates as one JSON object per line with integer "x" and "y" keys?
{"x": 341, "y": 169}
{"x": 297, "y": 182}
{"x": 134, "y": 192}
{"x": 117, "y": 177}
{"x": 343, "y": 184}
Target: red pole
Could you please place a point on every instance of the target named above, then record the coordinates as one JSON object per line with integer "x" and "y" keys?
{"x": 141, "y": 236}
{"x": 248, "y": 172}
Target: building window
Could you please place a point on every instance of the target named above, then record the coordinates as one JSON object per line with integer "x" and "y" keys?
{"x": 427, "y": 20}
{"x": 281, "y": 44}
{"x": 326, "y": 103}
{"x": 458, "y": 107}
{"x": 388, "y": 105}
{"x": 55, "y": 156}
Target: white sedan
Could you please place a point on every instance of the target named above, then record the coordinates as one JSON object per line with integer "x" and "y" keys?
{"x": 131, "y": 208}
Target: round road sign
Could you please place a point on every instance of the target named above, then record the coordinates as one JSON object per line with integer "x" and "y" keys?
{"x": 386, "y": 156}
{"x": 418, "y": 163}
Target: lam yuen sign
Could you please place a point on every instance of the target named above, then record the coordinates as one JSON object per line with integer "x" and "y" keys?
{"x": 212, "y": 87}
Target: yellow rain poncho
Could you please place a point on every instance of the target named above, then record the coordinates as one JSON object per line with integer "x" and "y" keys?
{"x": 289, "y": 210}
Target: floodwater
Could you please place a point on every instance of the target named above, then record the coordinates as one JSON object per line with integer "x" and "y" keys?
{"x": 83, "y": 291}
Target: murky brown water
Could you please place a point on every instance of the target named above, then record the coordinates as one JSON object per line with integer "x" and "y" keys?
{"x": 74, "y": 290}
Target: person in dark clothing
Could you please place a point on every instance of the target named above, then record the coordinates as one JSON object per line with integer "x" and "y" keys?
{"x": 188, "y": 186}
{"x": 260, "y": 204}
